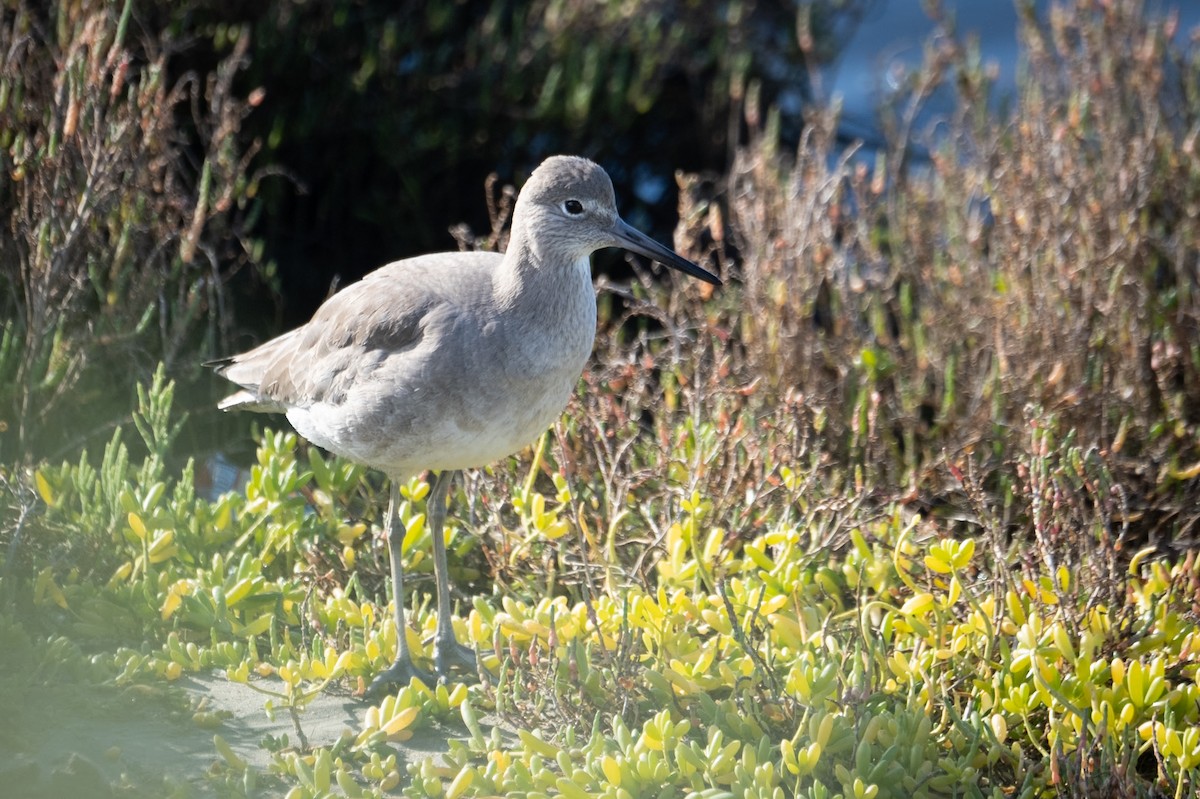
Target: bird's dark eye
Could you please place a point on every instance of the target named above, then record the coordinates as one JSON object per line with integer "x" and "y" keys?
{"x": 573, "y": 207}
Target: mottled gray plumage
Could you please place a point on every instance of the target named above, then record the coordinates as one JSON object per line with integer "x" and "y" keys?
{"x": 454, "y": 360}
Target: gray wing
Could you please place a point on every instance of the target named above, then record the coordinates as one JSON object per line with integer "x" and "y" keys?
{"x": 381, "y": 317}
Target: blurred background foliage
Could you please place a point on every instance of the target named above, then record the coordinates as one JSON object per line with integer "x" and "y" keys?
{"x": 386, "y": 117}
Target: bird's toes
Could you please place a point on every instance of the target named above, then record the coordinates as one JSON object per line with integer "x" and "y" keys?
{"x": 400, "y": 673}
{"x": 448, "y": 653}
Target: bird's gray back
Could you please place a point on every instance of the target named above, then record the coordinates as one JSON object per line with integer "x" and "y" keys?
{"x": 386, "y": 313}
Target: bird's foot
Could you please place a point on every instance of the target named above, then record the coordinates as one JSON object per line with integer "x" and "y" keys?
{"x": 400, "y": 673}
{"x": 448, "y": 652}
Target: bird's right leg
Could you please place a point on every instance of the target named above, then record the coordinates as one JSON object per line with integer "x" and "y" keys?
{"x": 446, "y": 648}
{"x": 402, "y": 669}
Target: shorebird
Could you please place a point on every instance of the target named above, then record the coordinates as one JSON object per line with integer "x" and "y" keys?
{"x": 450, "y": 361}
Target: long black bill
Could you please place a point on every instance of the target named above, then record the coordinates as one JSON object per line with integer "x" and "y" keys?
{"x": 634, "y": 240}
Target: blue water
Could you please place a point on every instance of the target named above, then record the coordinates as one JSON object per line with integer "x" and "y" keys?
{"x": 889, "y": 39}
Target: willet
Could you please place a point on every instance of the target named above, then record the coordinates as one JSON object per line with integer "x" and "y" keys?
{"x": 450, "y": 361}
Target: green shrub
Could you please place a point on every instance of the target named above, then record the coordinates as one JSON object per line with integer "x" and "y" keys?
{"x": 835, "y": 649}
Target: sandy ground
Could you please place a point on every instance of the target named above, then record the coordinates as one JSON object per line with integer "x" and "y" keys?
{"x": 136, "y": 744}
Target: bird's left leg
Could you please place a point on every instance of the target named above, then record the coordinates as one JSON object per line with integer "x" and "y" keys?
{"x": 402, "y": 669}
